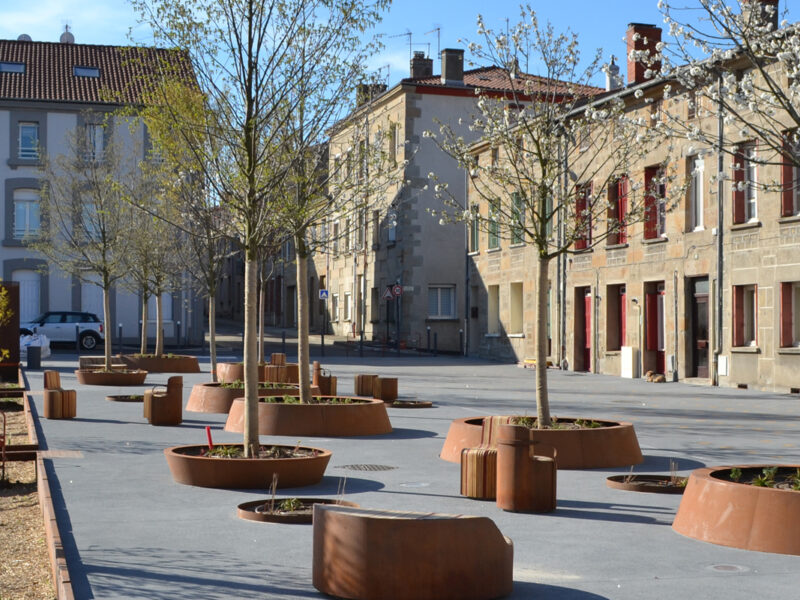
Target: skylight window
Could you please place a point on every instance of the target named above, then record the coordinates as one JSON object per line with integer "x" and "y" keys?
{"x": 86, "y": 71}
{"x": 12, "y": 67}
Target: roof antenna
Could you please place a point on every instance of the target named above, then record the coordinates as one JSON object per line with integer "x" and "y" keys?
{"x": 438, "y": 31}
{"x": 67, "y": 37}
{"x": 406, "y": 34}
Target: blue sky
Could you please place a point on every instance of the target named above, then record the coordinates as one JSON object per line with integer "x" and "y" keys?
{"x": 599, "y": 24}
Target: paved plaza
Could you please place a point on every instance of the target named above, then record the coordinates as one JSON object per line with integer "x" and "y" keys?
{"x": 129, "y": 531}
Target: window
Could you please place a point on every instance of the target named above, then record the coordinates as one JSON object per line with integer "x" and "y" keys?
{"x": 441, "y": 301}
{"x": 617, "y": 209}
{"x": 336, "y": 237}
{"x": 691, "y": 105}
{"x": 790, "y": 176}
{"x": 745, "y": 182}
{"x": 28, "y": 144}
{"x": 348, "y": 234}
{"x": 360, "y": 226}
{"x": 392, "y": 233}
{"x": 86, "y": 71}
{"x": 376, "y": 229}
{"x": 393, "y": 143}
{"x": 493, "y": 308}
{"x": 583, "y": 219}
{"x": 375, "y": 305}
{"x": 745, "y": 311}
{"x": 494, "y": 156}
{"x": 322, "y": 303}
{"x": 26, "y": 213}
{"x": 695, "y": 167}
{"x": 348, "y": 306}
{"x": 655, "y": 208}
{"x": 790, "y": 314}
{"x": 12, "y": 67}
{"x": 494, "y": 225}
{"x": 615, "y": 317}
{"x": 515, "y": 316}
{"x": 475, "y": 229}
{"x": 517, "y": 218}
{"x": 334, "y": 307}
{"x": 94, "y": 142}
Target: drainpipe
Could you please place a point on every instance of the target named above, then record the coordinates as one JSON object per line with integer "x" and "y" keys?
{"x": 563, "y": 269}
{"x": 675, "y": 307}
{"x": 596, "y": 307}
{"x": 466, "y": 264}
{"x": 720, "y": 227}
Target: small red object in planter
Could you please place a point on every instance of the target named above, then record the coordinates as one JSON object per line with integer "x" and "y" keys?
{"x": 208, "y": 434}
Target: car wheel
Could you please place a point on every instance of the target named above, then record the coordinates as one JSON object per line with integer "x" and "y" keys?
{"x": 25, "y": 331}
{"x": 89, "y": 341}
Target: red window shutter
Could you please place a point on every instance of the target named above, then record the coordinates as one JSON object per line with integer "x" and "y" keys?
{"x": 787, "y": 317}
{"x": 650, "y": 209}
{"x": 580, "y": 219}
{"x": 738, "y": 177}
{"x": 622, "y": 209}
{"x": 738, "y": 315}
{"x": 622, "y": 324}
{"x": 651, "y": 318}
{"x": 787, "y": 181}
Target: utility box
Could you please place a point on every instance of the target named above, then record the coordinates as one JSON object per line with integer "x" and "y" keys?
{"x": 629, "y": 362}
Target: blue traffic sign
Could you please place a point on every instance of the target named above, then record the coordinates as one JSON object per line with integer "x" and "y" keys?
{"x": 323, "y": 294}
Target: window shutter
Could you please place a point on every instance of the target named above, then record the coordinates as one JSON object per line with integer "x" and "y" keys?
{"x": 651, "y": 317}
{"x": 650, "y": 208}
{"x": 738, "y": 177}
{"x": 787, "y": 180}
{"x": 580, "y": 219}
{"x": 622, "y": 210}
{"x": 786, "y": 314}
{"x": 738, "y": 315}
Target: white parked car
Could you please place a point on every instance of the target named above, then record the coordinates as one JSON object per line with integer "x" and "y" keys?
{"x": 59, "y": 326}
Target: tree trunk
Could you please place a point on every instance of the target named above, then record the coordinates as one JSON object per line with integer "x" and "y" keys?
{"x": 212, "y": 335}
{"x": 542, "y": 401}
{"x": 260, "y": 315}
{"x": 143, "y": 342}
{"x": 302, "y": 320}
{"x": 107, "y": 328}
{"x": 159, "y": 326}
{"x": 250, "y": 358}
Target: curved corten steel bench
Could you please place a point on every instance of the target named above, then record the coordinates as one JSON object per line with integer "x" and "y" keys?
{"x": 369, "y": 554}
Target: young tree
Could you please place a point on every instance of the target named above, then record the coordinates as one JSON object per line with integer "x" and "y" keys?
{"x": 261, "y": 67}
{"x": 87, "y": 215}
{"x": 549, "y": 148}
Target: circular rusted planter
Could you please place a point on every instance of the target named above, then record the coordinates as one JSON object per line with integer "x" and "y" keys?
{"x": 249, "y": 511}
{"x": 175, "y": 363}
{"x": 654, "y": 484}
{"x": 125, "y": 398}
{"x": 714, "y": 509}
{"x": 213, "y": 398}
{"x": 613, "y": 445}
{"x": 361, "y": 417}
{"x": 245, "y": 473}
{"x": 115, "y": 378}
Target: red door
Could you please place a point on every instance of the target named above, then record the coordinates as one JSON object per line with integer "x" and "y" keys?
{"x": 654, "y": 316}
{"x": 587, "y": 334}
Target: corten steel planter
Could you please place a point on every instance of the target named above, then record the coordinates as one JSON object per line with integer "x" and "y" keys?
{"x": 612, "y": 445}
{"x": 213, "y": 398}
{"x": 245, "y": 473}
{"x": 161, "y": 364}
{"x": 114, "y": 378}
{"x": 526, "y": 471}
{"x": 361, "y": 417}
{"x": 653, "y": 484}
{"x": 376, "y": 554}
{"x": 714, "y": 509}
{"x": 252, "y": 511}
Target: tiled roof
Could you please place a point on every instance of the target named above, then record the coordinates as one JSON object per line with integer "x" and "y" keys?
{"x": 496, "y": 79}
{"x": 124, "y": 71}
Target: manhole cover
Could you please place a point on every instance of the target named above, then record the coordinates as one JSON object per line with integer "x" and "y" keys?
{"x": 729, "y": 568}
{"x": 367, "y": 467}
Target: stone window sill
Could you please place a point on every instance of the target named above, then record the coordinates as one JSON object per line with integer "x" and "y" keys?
{"x": 748, "y": 225}
{"x": 746, "y": 350}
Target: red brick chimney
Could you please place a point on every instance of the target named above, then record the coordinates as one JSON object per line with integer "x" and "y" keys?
{"x": 641, "y": 38}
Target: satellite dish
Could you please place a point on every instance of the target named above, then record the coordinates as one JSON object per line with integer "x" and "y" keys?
{"x": 67, "y": 37}
{"x": 24, "y": 38}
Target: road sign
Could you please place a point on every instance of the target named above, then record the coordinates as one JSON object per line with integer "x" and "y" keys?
{"x": 397, "y": 289}
{"x": 323, "y": 294}
{"x": 387, "y": 293}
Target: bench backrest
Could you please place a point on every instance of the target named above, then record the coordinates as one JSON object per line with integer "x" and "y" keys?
{"x": 52, "y": 380}
{"x": 490, "y": 430}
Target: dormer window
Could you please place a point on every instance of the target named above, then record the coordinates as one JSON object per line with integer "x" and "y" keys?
{"x": 86, "y": 71}
{"x": 12, "y": 67}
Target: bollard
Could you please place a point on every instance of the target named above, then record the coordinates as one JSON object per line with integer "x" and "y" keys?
{"x": 177, "y": 333}
{"x": 119, "y": 337}
{"x": 461, "y": 341}
{"x": 435, "y": 344}
{"x": 361, "y": 345}
{"x": 322, "y": 342}
{"x": 283, "y": 342}
{"x": 34, "y": 358}
{"x": 429, "y": 340}
{"x": 77, "y": 338}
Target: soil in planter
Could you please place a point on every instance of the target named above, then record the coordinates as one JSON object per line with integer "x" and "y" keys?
{"x": 783, "y": 478}
{"x": 223, "y": 451}
{"x": 126, "y": 398}
{"x": 410, "y": 404}
{"x": 657, "y": 484}
{"x": 239, "y": 385}
{"x": 531, "y": 423}
{"x": 314, "y": 400}
{"x": 285, "y": 510}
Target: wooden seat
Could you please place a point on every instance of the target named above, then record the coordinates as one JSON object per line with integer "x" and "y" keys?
{"x": 479, "y": 464}
{"x": 377, "y": 554}
{"x": 385, "y": 388}
{"x": 526, "y": 471}
{"x": 165, "y": 407}
{"x": 364, "y": 385}
{"x": 58, "y": 403}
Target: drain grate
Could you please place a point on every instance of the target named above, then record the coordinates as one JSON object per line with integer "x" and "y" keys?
{"x": 367, "y": 467}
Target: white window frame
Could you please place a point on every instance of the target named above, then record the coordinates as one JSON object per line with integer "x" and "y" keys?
{"x": 750, "y": 316}
{"x": 26, "y": 152}
{"x": 493, "y": 310}
{"x": 516, "y": 312}
{"x": 697, "y": 207}
{"x": 95, "y": 142}
{"x": 750, "y": 168}
{"x": 335, "y": 307}
{"x": 661, "y": 209}
{"x": 442, "y": 311}
{"x": 348, "y": 306}
{"x": 796, "y": 314}
{"x": 27, "y": 216}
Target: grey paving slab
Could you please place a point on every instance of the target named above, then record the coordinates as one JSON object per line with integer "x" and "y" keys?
{"x": 131, "y": 532}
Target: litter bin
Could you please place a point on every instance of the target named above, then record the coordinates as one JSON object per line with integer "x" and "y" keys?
{"x": 526, "y": 471}
{"x": 34, "y": 357}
